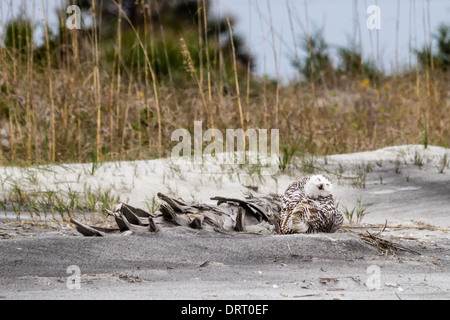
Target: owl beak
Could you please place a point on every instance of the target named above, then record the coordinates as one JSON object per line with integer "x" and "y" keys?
{"x": 321, "y": 187}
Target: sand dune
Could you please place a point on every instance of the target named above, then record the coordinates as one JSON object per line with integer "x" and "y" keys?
{"x": 400, "y": 186}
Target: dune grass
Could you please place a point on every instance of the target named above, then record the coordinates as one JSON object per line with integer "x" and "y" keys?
{"x": 86, "y": 99}
{"x": 124, "y": 125}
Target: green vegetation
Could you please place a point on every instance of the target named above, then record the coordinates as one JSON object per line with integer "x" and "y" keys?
{"x": 357, "y": 213}
{"x": 441, "y": 59}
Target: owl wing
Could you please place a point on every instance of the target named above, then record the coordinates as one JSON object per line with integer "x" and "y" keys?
{"x": 292, "y": 197}
{"x": 328, "y": 218}
{"x": 310, "y": 216}
{"x": 313, "y": 214}
{"x": 291, "y": 200}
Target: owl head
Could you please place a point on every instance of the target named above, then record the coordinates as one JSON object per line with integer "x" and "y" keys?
{"x": 318, "y": 186}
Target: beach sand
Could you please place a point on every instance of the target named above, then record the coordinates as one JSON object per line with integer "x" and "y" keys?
{"x": 398, "y": 186}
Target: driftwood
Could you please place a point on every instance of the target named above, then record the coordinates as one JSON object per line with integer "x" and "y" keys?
{"x": 254, "y": 214}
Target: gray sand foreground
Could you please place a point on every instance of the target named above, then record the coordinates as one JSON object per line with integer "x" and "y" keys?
{"x": 181, "y": 263}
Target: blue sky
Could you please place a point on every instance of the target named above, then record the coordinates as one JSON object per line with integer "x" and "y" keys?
{"x": 404, "y": 24}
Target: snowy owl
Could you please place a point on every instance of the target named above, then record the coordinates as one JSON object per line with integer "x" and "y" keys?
{"x": 308, "y": 207}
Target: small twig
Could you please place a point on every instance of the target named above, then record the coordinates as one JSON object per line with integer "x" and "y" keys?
{"x": 384, "y": 228}
{"x": 307, "y": 295}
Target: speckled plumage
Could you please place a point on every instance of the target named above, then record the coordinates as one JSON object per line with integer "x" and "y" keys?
{"x": 303, "y": 214}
